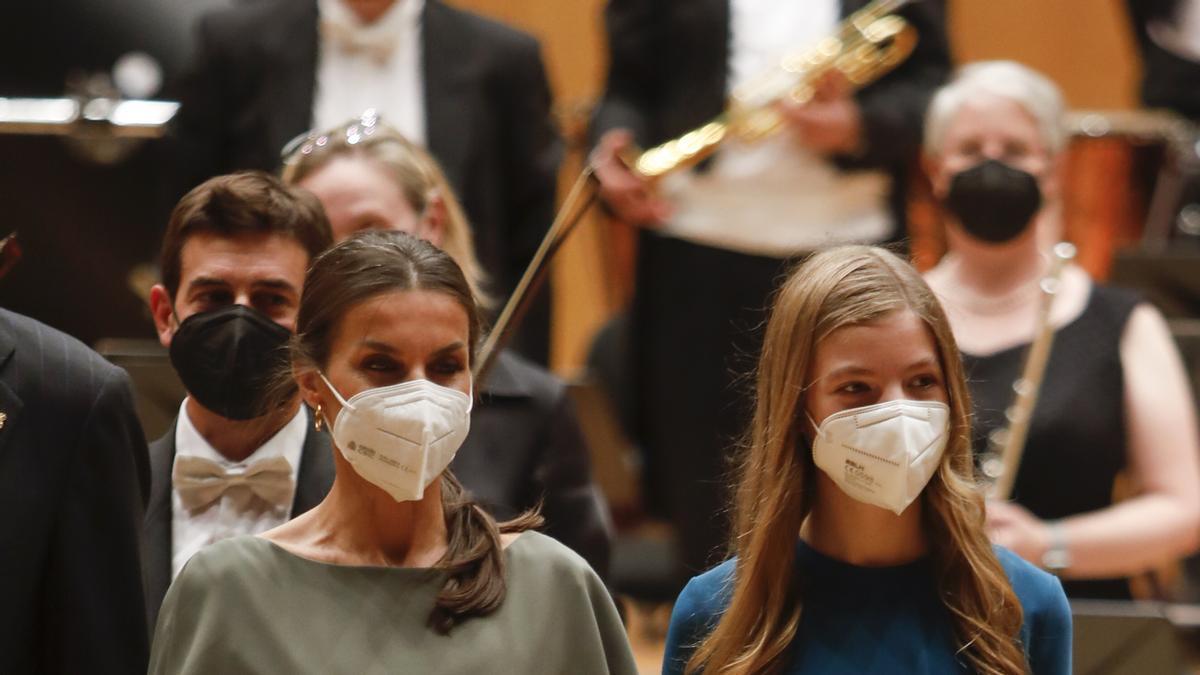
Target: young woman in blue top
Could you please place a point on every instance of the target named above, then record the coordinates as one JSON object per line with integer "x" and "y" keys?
{"x": 858, "y": 527}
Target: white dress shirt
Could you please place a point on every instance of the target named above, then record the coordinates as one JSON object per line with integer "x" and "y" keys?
{"x": 377, "y": 65}
{"x": 238, "y": 511}
{"x": 774, "y": 197}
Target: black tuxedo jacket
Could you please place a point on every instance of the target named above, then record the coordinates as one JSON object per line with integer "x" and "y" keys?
{"x": 313, "y": 481}
{"x": 73, "y": 483}
{"x": 525, "y": 448}
{"x": 487, "y": 110}
{"x": 669, "y": 66}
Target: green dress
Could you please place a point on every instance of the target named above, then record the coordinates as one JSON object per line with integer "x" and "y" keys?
{"x": 246, "y": 605}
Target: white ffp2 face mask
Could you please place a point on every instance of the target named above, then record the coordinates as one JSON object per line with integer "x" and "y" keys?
{"x": 883, "y": 454}
{"x": 401, "y": 437}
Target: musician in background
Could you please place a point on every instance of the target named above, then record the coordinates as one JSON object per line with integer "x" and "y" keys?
{"x": 1114, "y": 399}
{"x": 525, "y": 446}
{"x": 472, "y": 90}
{"x": 1168, "y": 36}
{"x": 716, "y": 237}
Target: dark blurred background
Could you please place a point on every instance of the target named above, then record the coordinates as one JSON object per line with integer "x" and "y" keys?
{"x": 85, "y": 225}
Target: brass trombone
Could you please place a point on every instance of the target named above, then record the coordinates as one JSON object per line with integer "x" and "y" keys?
{"x": 866, "y": 45}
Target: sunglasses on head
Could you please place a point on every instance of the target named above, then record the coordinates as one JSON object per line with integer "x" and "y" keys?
{"x": 351, "y": 133}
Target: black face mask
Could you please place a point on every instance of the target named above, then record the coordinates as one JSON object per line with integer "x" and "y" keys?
{"x": 994, "y": 201}
{"x": 227, "y": 358}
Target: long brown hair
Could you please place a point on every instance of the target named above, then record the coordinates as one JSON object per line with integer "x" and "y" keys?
{"x": 363, "y": 267}
{"x": 841, "y": 287}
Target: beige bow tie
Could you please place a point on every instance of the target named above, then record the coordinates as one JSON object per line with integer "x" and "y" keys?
{"x": 200, "y": 481}
{"x": 377, "y": 46}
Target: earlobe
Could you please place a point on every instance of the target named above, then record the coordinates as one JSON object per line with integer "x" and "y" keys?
{"x": 937, "y": 183}
{"x": 161, "y": 310}
{"x": 309, "y": 384}
{"x": 806, "y": 427}
{"x": 433, "y": 219}
{"x": 1054, "y": 178}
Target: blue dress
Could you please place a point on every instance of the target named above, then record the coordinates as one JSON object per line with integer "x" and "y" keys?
{"x": 878, "y": 619}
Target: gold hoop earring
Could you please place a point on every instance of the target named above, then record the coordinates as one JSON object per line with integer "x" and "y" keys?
{"x": 319, "y": 419}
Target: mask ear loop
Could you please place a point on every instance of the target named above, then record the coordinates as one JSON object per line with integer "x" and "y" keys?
{"x": 425, "y": 219}
{"x": 810, "y": 442}
{"x": 333, "y": 390}
{"x": 816, "y": 427}
{"x": 336, "y": 394}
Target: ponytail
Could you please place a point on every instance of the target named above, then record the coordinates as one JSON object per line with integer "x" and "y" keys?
{"x": 474, "y": 560}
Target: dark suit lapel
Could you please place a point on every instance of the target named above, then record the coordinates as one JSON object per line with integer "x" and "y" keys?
{"x": 290, "y": 48}
{"x": 446, "y": 69}
{"x": 315, "y": 477}
{"x": 10, "y": 403}
{"x": 157, "y": 552}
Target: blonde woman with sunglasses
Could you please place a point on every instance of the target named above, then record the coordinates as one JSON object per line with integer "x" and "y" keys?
{"x": 526, "y": 447}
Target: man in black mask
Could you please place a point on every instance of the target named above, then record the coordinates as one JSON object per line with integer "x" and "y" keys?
{"x": 240, "y": 458}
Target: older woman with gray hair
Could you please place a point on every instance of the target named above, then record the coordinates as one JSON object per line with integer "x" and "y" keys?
{"x": 1114, "y": 399}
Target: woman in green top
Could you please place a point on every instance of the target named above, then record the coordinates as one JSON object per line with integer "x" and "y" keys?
{"x": 398, "y": 570}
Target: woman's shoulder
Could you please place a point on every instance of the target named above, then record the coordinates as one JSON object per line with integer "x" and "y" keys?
{"x": 554, "y": 592}
{"x": 535, "y": 555}
{"x": 515, "y": 377}
{"x": 705, "y": 596}
{"x": 1039, "y": 591}
{"x": 1116, "y": 303}
{"x": 1046, "y": 626}
{"x": 552, "y": 577}
{"x": 230, "y": 558}
{"x": 697, "y": 610}
{"x": 218, "y": 580}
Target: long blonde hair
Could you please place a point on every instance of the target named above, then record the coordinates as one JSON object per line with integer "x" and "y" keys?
{"x": 415, "y": 172}
{"x": 840, "y": 287}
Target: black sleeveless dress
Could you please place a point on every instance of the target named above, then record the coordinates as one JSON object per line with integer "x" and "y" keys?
{"x": 1076, "y": 443}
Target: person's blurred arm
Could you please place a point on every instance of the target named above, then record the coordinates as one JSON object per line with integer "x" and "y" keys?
{"x": 881, "y": 125}
{"x": 93, "y": 596}
{"x": 623, "y": 116}
{"x": 1164, "y": 461}
{"x": 631, "y": 87}
{"x": 1161, "y": 523}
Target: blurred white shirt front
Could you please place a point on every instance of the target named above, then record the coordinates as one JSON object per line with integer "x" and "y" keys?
{"x": 376, "y": 65}
{"x": 774, "y": 197}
